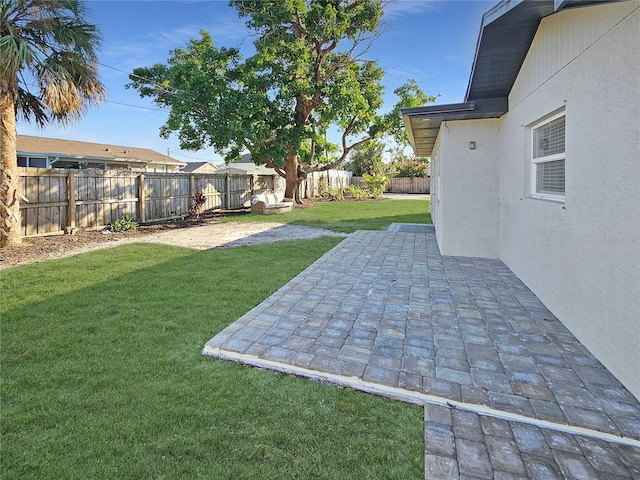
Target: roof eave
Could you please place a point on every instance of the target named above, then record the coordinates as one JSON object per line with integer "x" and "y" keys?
{"x": 81, "y": 157}
{"x": 423, "y": 123}
{"x": 506, "y": 33}
{"x": 496, "y": 26}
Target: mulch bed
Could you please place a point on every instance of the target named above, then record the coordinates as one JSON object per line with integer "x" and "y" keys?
{"x": 38, "y": 249}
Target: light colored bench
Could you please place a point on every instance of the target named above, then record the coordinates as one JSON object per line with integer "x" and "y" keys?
{"x": 268, "y": 203}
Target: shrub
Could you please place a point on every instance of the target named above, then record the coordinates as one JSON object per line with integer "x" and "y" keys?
{"x": 197, "y": 202}
{"x": 356, "y": 192}
{"x": 335, "y": 193}
{"x": 411, "y": 168}
{"x": 375, "y": 184}
{"x": 124, "y": 224}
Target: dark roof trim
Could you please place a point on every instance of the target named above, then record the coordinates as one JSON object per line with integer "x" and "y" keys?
{"x": 483, "y": 107}
{"x": 564, "y": 4}
{"x": 506, "y": 33}
{"x": 436, "y": 109}
{"x": 423, "y": 123}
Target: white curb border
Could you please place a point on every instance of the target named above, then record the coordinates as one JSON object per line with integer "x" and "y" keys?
{"x": 408, "y": 396}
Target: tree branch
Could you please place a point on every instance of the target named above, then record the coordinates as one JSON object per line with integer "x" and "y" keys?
{"x": 298, "y": 27}
{"x": 345, "y": 150}
{"x": 270, "y": 164}
{"x": 349, "y": 57}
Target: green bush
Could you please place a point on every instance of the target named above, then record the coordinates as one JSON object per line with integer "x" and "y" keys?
{"x": 356, "y": 192}
{"x": 124, "y": 224}
{"x": 335, "y": 193}
{"x": 410, "y": 168}
{"x": 375, "y": 184}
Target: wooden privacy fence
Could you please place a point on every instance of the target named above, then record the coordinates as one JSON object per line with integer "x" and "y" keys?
{"x": 316, "y": 182}
{"x": 403, "y": 184}
{"x": 61, "y": 199}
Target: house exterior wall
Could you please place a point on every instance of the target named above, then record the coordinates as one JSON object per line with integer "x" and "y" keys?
{"x": 435, "y": 203}
{"x": 581, "y": 257}
{"x": 206, "y": 169}
{"x": 464, "y": 198}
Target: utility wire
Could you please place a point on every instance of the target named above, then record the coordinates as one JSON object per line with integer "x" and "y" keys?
{"x": 131, "y": 74}
{"x": 191, "y": 158}
{"x": 135, "y": 106}
{"x": 195, "y": 104}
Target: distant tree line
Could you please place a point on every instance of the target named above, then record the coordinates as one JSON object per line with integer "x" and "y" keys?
{"x": 369, "y": 159}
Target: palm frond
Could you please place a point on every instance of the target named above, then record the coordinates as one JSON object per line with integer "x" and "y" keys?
{"x": 30, "y": 107}
{"x": 14, "y": 54}
{"x": 49, "y": 43}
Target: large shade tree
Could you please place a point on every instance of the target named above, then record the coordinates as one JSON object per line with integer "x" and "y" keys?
{"x": 48, "y": 73}
{"x": 308, "y": 76}
{"x": 368, "y": 158}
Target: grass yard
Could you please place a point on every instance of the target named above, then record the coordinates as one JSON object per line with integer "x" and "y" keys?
{"x": 103, "y": 378}
{"x": 350, "y": 216}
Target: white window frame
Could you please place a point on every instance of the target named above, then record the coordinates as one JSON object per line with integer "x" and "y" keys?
{"x": 540, "y": 160}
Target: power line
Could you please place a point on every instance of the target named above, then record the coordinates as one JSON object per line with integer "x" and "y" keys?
{"x": 131, "y": 74}
{"x": 135, "y": 106}
{"x": 191, "y": 158}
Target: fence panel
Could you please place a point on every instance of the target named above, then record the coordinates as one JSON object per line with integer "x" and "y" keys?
{"x": 100, "y": 199}
{"x": 58, "y": 199}
{"x": 402, "y": 184}
{"x": 46, "y": 210}
{"x": 317, "y": 182}
{"x": 240, "y": 191}
{"x": 166, "y": 196}
{"x": 410, "y": 185}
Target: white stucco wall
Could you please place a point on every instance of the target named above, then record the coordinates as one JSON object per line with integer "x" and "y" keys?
{"x": 465, "y": 205}
{"x": 581, "y": 257}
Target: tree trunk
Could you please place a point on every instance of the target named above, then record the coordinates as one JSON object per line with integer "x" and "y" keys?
{"x": 10, "y": 223}
{"x": 301, "y": 176}
{"x": 291, "y": 171}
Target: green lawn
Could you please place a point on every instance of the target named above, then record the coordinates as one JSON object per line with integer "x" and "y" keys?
{"x": 350, "y": 216}
{"x": 103, "y": 378}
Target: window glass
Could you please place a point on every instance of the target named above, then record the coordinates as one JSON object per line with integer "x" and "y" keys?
{"x": 37, "y": 162}
{"x": 550, "y": 177}
{"x": 548, "y": 139}
{"x": 548, "y": 158}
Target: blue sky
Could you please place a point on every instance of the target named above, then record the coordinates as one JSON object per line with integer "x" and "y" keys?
{"x": 432, "y": 41}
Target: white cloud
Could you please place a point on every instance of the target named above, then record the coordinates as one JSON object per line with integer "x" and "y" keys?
{"x": 400, "y": 8}
{"x": 177, "y": 37}
{"x": 154, "y": 46}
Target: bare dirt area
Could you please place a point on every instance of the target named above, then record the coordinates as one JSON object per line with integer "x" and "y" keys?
{"x": 201, "y": 234}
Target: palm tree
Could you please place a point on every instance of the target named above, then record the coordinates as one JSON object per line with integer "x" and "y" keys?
{"x": 48, "y": 73}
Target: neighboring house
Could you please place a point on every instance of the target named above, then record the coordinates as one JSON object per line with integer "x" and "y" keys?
{"x": 540, "y": 165}
{"x": 246, "y": 169}
{"x": 245, "y": 166}
{"x": 199, "y": 167}
{"x": 41, "y": 152}
{"x": 245, "y": 158}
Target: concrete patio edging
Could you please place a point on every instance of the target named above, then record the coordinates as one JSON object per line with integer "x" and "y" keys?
{"x": 408, "y": 396}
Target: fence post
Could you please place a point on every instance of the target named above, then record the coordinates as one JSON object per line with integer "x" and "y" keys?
{"x": 228, "y": 188}
{"x": 71, "y": 199}
{"x": 141, "y": 198}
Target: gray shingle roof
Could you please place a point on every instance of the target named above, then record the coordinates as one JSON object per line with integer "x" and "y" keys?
{"x": 27, "y": 144}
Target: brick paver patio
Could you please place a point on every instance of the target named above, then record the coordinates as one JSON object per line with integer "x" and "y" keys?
{"x": 508, "y": 391}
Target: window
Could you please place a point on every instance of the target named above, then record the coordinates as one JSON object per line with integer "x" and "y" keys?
{"x": 547, "y": 158}
{"x": 36, "y": 162}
